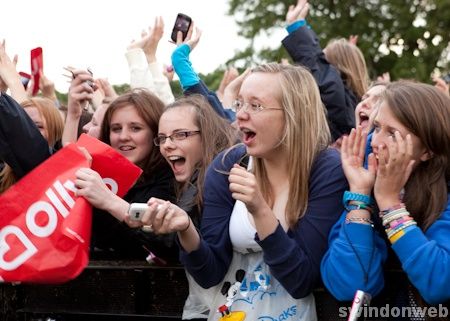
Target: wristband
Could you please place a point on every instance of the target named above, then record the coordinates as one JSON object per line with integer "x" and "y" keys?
{"x": 350, "y": 196}
{"x": 361, "y": 206}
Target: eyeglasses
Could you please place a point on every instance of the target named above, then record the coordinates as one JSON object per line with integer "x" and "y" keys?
{"x": 161, "y": 139}
{"x": 251, "y": 108}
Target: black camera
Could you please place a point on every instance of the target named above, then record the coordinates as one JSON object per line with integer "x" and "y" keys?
{"x": 182, "y": 23}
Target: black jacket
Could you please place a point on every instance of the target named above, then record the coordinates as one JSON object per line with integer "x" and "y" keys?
{"x": 22, "y": 146}
{"x": 340, "y": 102}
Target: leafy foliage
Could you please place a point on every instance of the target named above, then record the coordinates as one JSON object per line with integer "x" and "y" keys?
{"x": 408, "y": 38}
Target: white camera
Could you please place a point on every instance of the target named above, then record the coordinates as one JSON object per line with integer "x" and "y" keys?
{"x": 136, "y": 211}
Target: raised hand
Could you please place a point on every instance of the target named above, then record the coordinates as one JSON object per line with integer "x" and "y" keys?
{"x": 228, "y": 76}
{"x": 353, "y": 147}
{"x": 297, "y": 12}
{"x": 107, "y": 89}
{"x": 395, "y": 164}
{"x": 385, "y": 77}
{"x": 9, "y": 76}
{"x": 149, "y": 40}
{"x": 192, "y": 38}
{"x": 440, "y": 84}
{"x": 80, "y": 91}
{"x": 168, "y": 72}
{"x": 46, "y": 86}
{"x": 232, "y": 90}
{"x": 353, "y": 39}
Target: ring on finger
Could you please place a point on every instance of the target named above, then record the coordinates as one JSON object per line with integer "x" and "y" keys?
{"x": 147, "y": 228}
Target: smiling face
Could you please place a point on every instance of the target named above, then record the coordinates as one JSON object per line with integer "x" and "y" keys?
{"x": 366, "y": 106}
{"x": 385, "y": 126}
{"x": 38, "y": 120}
{"x": 263, "y": 131}
{"x": 182, "y": 155}
{"x": 130, "y": 135}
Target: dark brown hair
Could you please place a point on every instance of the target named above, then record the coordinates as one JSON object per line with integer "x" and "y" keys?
{"x": 215, "y": 132}
{"x": 150, "y": 108}
{"x": 425, "y": 112}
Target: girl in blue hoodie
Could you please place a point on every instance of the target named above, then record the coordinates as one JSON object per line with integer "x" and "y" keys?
{"x": 408, "y": 173}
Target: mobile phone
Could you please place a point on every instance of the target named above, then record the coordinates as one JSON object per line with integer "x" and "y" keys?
{"x": 37, "y": 65}
{"x": 137, "y": 210}
{"x": 24, "y": 78}
{"x": 447, "y": 78}
{"x": 182, "y": 23}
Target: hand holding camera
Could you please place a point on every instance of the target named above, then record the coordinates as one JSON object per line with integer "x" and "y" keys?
{"x": 81, "y": 90}
{"x": 183, "y": 32}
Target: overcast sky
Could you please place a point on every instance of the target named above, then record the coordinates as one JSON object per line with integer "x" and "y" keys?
{"x": 95, "y": 33}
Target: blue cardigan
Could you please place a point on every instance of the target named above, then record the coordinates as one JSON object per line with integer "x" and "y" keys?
{"x": 293, "y": 257}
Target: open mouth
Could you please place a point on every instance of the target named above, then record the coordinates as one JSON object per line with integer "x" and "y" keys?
{"x": 247, "y": 135}
{"x": 177, "y": 163}
{"x": 363, "y": 120}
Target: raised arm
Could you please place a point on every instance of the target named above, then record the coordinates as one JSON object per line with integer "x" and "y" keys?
{"x": 9, "y": 75}
{"x": 80, "y": 92}
{"x": 190, "y": 81}
{"x": 303, "y": 46}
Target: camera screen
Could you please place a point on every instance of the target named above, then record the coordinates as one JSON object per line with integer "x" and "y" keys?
{"x": 182, "y": 23}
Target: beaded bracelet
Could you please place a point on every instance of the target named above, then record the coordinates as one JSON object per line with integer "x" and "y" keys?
{"x": 402, "y": 220}
{"x": 399, "y": 228}
{"x": 362, "y": 220}
{"x": 394, "y": 216}
{"x": 391, "y": 209}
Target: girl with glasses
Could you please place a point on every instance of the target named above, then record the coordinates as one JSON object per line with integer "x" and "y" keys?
{"x": 264, "y": 228}
{"x": 190, "y": 135}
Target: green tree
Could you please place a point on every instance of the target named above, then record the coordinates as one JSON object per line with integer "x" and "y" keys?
{"x": 408, "y": 38}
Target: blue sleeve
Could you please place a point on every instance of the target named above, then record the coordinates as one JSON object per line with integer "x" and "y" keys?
{"x": 210, "y": 262}
{"x": 183, "y": 67}
{"x": 294, "y": 257}
{"x": 22, "y": 146}
{"x": 342, "y": 272}
{"x": 303, "y": 46}
{"x": 295, "y": 25}
{"x": 201, "y": 89}
{"x": 425, "y": 258}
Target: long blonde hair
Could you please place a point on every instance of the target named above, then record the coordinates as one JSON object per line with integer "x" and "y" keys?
{"x": 306, "y": 134}
{"x": 54, "y": 127}
{"x": 350, "y": 62}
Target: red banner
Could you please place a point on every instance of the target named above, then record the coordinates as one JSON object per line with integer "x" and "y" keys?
{"x": 44, "y": 228}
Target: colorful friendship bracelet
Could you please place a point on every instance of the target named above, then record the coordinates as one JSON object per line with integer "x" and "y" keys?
{"x": 395, "y": 237}
{"x": 399, "y": 228}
